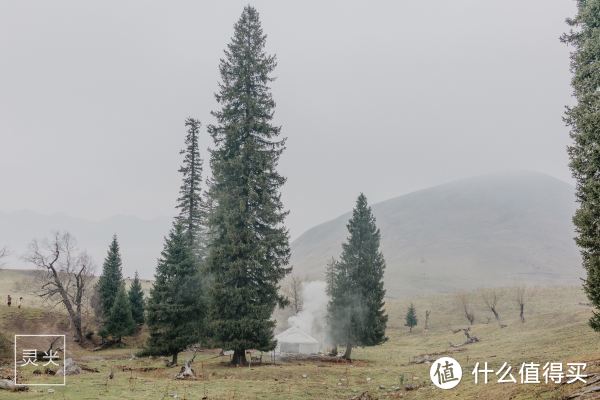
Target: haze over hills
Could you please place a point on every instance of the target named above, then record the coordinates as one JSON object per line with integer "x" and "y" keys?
{"x": 501, "y": 229}
{"x": 141, "y": 240}
{"x": 494, "y": 230}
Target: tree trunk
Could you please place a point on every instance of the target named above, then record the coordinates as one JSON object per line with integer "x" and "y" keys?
{"x": 174, "y": 359}
{"x": 495, "y": 313}
{"x": 522, "y": 312}
{"x": 348, "y": 352}
{"x": 239, "y": 357}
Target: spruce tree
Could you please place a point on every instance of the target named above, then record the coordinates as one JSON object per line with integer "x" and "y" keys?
{"x": 192, "y": 210}
{"x": 120, "y": 322}
{"x": 136, "y": 300}
{"x": 175, "y": 308}
{"x": 411, "y": 317}
{"x": 110, "y": 281}
{"x": 355, "y": 311}
{"x": 249, "y": 246}
{"x": 584, "y": 121}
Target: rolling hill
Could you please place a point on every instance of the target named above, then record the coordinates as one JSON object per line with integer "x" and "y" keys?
{"x": 494, "y": 230}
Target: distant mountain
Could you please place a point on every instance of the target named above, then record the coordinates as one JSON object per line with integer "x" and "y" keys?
{"x": 493, "y": 230}
{"x": 141, "y": 240}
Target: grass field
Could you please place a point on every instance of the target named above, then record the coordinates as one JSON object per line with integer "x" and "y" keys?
{"x": 555, "y": 330}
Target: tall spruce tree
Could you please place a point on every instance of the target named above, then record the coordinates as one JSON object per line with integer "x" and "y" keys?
{"x": 584, "y": 121}
{"x": 136, "y": 300}
{"x": 355, "y": 311}
{"x": 120, "y": 322}
{"x": 249, "y": 246}
{"x": 192, "y": 210}
{"x": 176, "y": 305}
{"x": 411, "y": 317}
{"x": 110, "y": 281}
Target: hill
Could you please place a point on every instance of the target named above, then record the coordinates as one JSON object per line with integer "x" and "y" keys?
{"x": 492, "y": 230}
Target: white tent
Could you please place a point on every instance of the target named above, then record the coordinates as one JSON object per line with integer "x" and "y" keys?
{"x": 295, "y": 340}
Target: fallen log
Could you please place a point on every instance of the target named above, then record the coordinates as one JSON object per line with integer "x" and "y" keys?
{"x": 583, "y": 393}
{"x": 470, "y": 338}
{"x": 88, "y": 369}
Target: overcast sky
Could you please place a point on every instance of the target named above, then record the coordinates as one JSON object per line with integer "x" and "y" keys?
{"x": 382, "y": 97}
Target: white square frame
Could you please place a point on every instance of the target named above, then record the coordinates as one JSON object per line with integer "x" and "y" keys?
{"x": 64, "y": 365}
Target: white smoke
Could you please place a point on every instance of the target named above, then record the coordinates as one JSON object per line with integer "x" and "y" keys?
{"x": 313, "y": 316}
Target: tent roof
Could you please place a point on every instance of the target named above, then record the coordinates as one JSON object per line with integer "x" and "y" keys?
{"x": 295, "y": 335}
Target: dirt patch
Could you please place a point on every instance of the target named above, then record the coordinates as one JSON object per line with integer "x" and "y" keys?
{"x": 320, "y": 358}
{"x": 140, "y": 369}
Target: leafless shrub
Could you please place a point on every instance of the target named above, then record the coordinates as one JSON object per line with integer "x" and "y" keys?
{"x": 464, "y": 300}
{"x": 293, "y": 291}
{"x": 520, "y": 295}
{"x": 491, "y": 298}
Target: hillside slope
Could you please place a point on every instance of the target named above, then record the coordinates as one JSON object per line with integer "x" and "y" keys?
{"x": 493, "y": 230}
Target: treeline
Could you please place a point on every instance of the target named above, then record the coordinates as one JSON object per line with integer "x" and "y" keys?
{"x": 217, "y": 279}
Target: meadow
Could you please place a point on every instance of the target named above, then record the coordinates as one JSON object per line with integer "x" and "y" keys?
{"x": 555, "y": 330}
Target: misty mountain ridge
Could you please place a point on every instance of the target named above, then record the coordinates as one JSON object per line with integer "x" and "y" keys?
{"x": 495, "y": 230}
{"x": 500, "y": 229}
{"x": 141, "y": 240}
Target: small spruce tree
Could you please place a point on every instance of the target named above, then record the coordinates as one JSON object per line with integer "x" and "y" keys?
{"x": 109, "y": 281}
{"x": 136, "y": 300}
{"x": 355, "y": 311}
{"x": 120, "y": 322}
{"x": 411, "y": 317}
{"x": 175, "y": 308}
{"x": 584, "y": 153}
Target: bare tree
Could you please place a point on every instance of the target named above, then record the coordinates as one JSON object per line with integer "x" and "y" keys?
{"x": 520, "y": 298}
{"x": 427, "y": 313}
{"x": 463, "y": 298}
{"x": 293, "y": 291}
{"x": 65, "y": 275}
{"x": 490, "y": 298}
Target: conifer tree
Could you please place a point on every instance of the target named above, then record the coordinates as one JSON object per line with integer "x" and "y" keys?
{"x": 411, "y": 317}
{"x": 120, "y": 322}
{"x": 249, "y": 246}
{"x": 111, "y": 279}
{"x": 355, "y": 311}
{"x": 136, "y": 300}
{"x": 175, "y": 308}
{"x": 191, "y": 205}
{"x": 584, "y": 121}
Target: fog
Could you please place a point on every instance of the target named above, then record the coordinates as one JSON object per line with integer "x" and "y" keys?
{"x": 312, "y": 318}
{"x": 383, "y": 97}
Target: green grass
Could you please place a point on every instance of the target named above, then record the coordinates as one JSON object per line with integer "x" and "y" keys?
{"x": 555, "y": 330}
